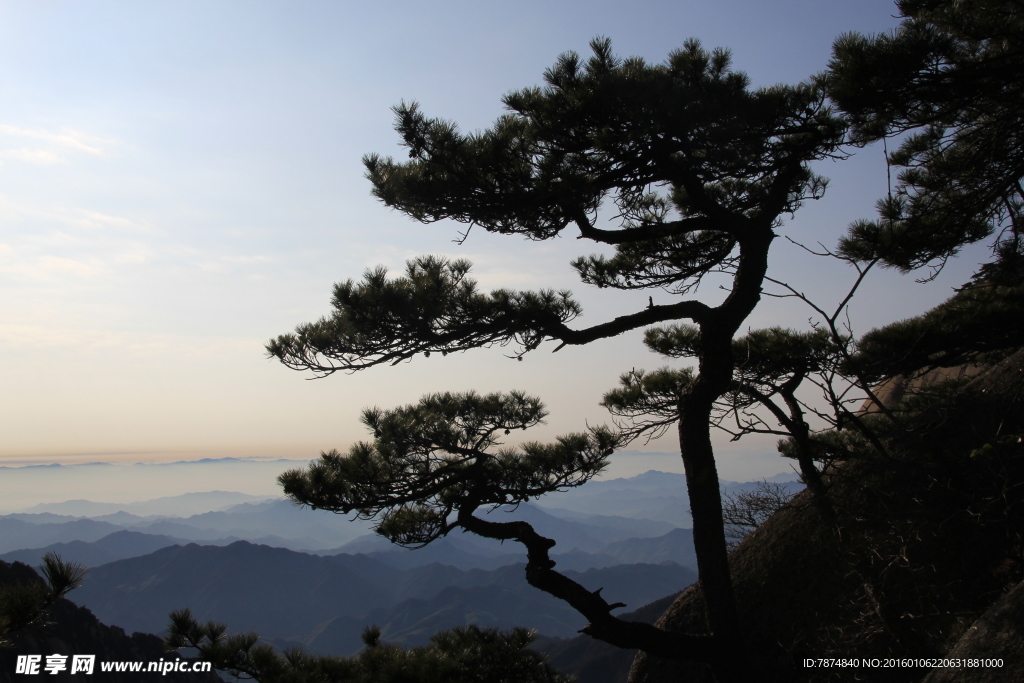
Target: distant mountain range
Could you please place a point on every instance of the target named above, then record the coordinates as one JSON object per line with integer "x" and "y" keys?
{"x": 116, "y": 546}
{"x": 324, "y": 602}
{"x": 462, "y": 551}
{"x": 653, "y": 495}
{"x": 628, "y": 509}
{"x": 168, "y": 506}
{"x": 276, "y": 521}
{"x": 236, "y": 559}
{"x": 659, "y": 496}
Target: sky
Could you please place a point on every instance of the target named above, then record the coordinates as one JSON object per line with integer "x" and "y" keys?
{"x": 181, "y": 181}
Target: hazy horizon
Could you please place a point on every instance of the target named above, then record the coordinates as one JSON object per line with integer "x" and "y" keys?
{"x": 26, "y": 486}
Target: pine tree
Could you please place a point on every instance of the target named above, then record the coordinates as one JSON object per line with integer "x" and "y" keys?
{"x": 980, "y": 324}
{"x": 25, "y": 602}
{"x": 770, "y": 365}
{"x": 949, "y": 80}
{"x": 699, "y": 168}
{"x": 949, "y": 77}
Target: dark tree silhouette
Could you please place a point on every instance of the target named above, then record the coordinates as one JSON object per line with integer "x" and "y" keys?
{"x": 949, "y": 76}
{"x": 699, "y": 170}
{"x": 432, "y": 465}
{"x": 460, "y": 655}
{"x": 770, "y": 366}
{"x": 978, "y": 324}
{"x": 23, "y": 603}
{"x": 948, "y": 79}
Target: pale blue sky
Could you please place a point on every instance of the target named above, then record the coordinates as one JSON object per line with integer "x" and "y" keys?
{"x": 180, "y": 181}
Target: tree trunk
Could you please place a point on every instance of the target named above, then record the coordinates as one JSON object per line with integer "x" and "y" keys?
{"x": 713, "y": 379}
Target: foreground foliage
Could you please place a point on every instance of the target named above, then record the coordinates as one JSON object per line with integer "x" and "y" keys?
{"x": 461, "y": 655}
{"x": 25, "y": 603}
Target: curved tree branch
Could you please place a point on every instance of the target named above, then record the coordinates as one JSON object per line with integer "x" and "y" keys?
{"x": 603, "y": 625}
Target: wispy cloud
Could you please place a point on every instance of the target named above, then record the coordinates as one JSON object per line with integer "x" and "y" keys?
{"x": 39, "y": 157}
{"x": 25, "y": 333}
{"x": 46, "y": 147}
{"x": 249, "y": 260}
{"x": 95, "y": 219}
{"x": 66, "y": 138}
{"x": 12, "y": 211}
{"x": 47, "y": 267}
{"x": 222, "y": 264}
{"x": 45, "y": 245}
